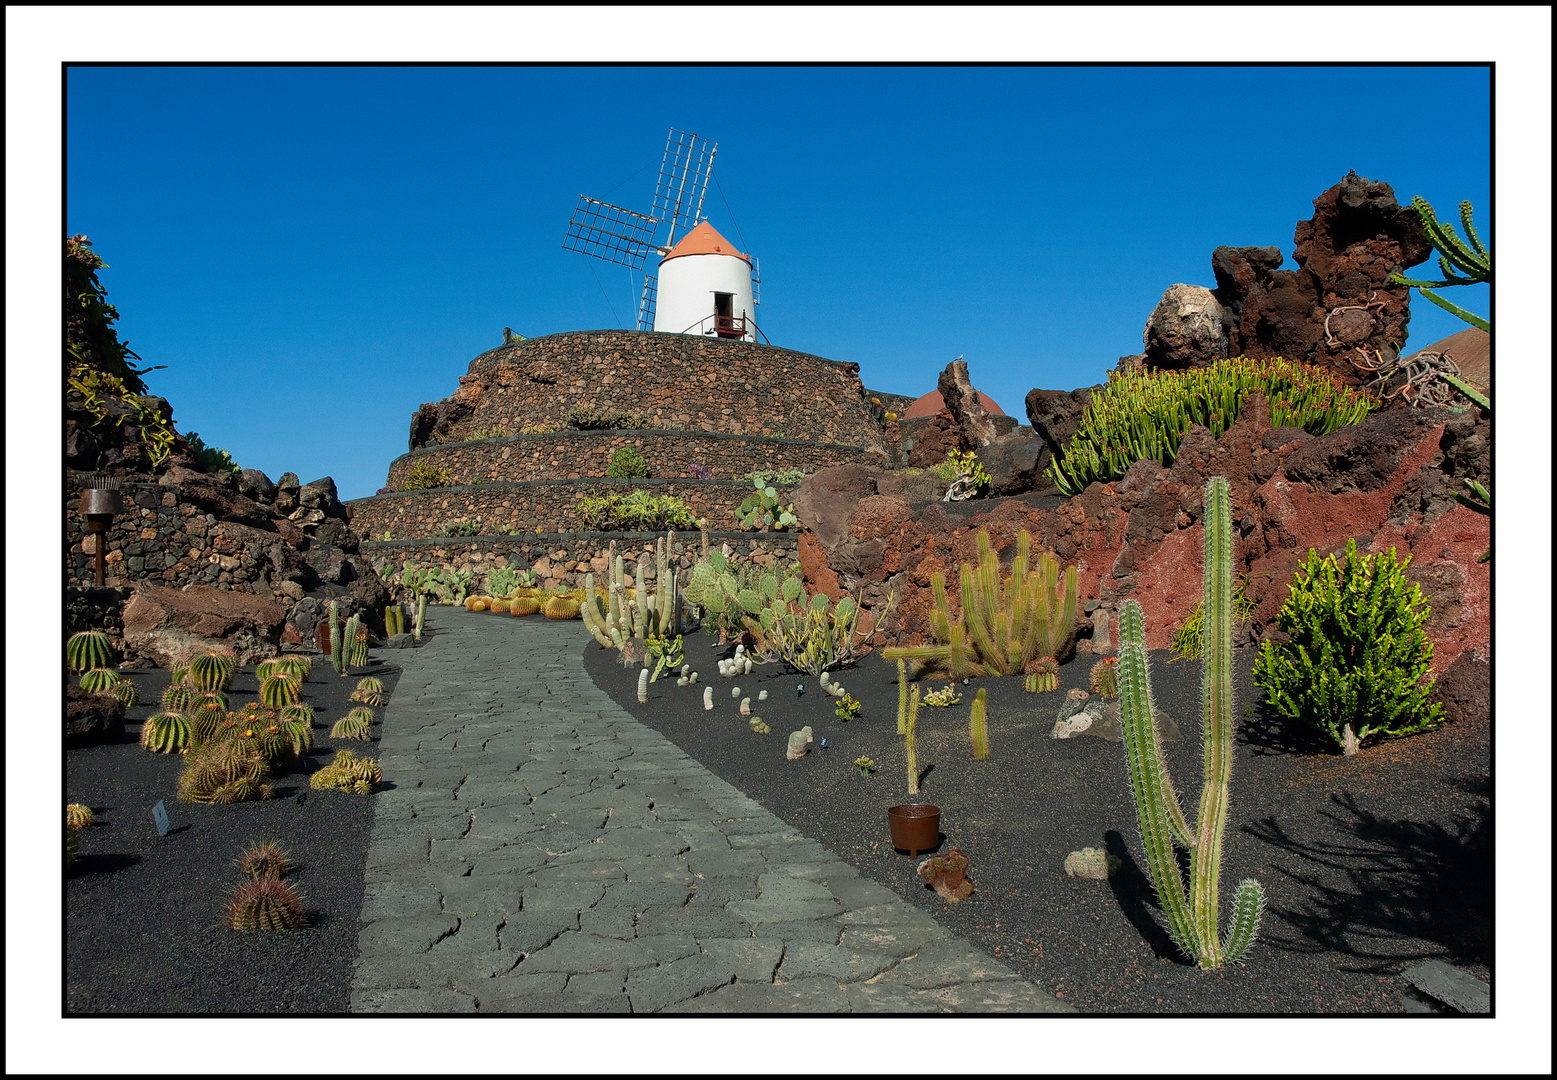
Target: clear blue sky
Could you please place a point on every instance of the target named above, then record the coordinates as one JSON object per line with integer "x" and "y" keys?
{"x": 314, "y": 252}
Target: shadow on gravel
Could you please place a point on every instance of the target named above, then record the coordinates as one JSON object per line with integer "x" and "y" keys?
{"x": 1267, "y": 732}
{"x": 1405, "y": 880}
{"x": 87, "y": 865}
{"x": 1138, "y": 899}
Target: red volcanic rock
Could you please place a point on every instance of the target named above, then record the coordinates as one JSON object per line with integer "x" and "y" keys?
{"x": 173, "y": 626}
{"x": 825, "y": 500}
{"x": 1142, "y": 537}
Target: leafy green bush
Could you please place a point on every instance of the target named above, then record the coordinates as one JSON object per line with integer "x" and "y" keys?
{"x": 627, "y": 463}
{"x": 606, "y": 419}
{"x": 1356, "y": 655}
{"x": 423, "y": 475}
{"x": 635, "y": 511}
{"x": 1142, "y": 414}
{"x": 209, "y": 458}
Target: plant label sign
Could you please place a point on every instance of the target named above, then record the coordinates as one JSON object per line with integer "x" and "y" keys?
{"x": 159, "y": 814}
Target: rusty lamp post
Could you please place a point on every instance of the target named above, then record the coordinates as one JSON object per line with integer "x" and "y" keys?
{"x": 100, "y": 501}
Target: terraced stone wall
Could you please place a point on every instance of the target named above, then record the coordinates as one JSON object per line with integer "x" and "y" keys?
{"x": 588, "y": 453}
{"x": 561, "y": 560}
{"x": 681, "y": 381}
{"x": 535, "y": 506}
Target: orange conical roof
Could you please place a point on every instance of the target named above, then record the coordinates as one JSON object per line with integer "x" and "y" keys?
{"x": 704, "y": 239}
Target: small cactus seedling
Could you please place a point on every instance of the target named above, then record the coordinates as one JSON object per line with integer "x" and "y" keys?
{"x": 370, "y": 691}
{"x": 348, "y": 772}
{"x": 947, "y": 874}
{"x": 943, "y": 699}
{"x": 125, "y": 693}
{"x": 1047, "y": 670}
{"x": 179, "y": 697}
{"x": 278, "y": 691}
{"x": 798, "y": 741}
{"x": 865, "y": 765}
{"x": 1105, "y": 677}
{"x": 266, "y": 903}
{"x": 847, "y": 708}
{"x": 87, "y": 650}
{"x": 264, "y": 859}
{"x": 302, "y": 714}
{"x": 357, "y": 724}
{"x": 979, "y": 727}
{"x": 759, "y": 725}
{"x": 77, "y": 816}
{"x": 99, "y": 680}
{"x": 708, "y": 698}
{"x": 166, "y": 733}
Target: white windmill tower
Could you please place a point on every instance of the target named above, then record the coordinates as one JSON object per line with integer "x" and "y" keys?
{"x": 700, "y": 284}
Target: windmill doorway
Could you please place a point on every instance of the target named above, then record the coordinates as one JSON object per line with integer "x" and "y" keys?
{"x": 727, "y": 325}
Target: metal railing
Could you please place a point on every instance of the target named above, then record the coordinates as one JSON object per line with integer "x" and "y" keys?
{"x": 727, "y": 326}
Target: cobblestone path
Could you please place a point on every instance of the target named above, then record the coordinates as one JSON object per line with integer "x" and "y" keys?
{"x": 539, "y": 850}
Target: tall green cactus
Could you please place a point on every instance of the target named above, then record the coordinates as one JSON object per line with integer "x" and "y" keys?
{"x": 337, "y": 657}
{"x": 1473, "y": 260}
{"x": 1003, "y": 625}
{"x": 910, "y": 744}
{"x": 1192, "y": 919}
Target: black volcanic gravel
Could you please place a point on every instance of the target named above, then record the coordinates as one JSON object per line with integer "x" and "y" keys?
{"x": 1370, "y": 863}
{"x": 144, "y": 929}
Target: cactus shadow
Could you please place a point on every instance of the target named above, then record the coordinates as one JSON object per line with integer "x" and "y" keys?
{"x": 1137, "y": 900}
{"x": 108, "y": 863}
{"x": 1267, "y": 732}
{"x": 1420, "y": 889}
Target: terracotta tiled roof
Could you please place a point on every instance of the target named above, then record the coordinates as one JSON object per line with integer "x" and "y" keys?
{"x": 704, "y": 239}
{"x": 933, "y": 403}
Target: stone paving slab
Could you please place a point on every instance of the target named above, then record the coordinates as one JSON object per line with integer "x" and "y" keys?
{"x": 540, "y": 851}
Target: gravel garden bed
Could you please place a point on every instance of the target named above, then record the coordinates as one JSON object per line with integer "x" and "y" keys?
{"x": 1370, "y": 863}
{"x": 144, "y": 929}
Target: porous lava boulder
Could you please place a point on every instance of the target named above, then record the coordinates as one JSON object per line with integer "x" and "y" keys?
{"x": 1056, "y": 416}
{"x": 826, "y": 499}
{"x": 1465, "y": 689}
{"x": 1359, "y": 235}
{"x": 173, "y": 626}
{"x": 1015, "y": 463}
{"x": 91, "y": 718}
{"x": 1187, "y": 328}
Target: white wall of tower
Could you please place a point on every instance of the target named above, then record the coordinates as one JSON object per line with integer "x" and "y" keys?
{"x": 686, "y": 288}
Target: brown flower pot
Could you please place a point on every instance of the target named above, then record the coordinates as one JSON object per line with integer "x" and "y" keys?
{"x": 916, "y": 827}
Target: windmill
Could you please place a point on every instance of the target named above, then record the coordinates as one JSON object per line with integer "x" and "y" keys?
{"x": 627, "y": 238}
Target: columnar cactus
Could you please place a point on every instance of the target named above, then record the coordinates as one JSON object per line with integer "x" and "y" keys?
{"x": 643, "y": 685}
{"x": 979, "y": 726}
{"x": 359, "y": 647}
{"x": 1192, "y": 919}
{"x": 908, "y": 740}
{"x": 902, "y": 697}
{"x": 337, "y": 656}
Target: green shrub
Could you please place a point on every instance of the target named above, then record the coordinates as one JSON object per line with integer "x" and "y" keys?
{"x": 606, "y": 419}
{"x": 208, "y": 458}
{"x": 423, "y": 475}
{"x": 1142, "y": 414}
{"x": 635, "y": 511}
{"x": 627, "y": 463}
{"x": 1356, "y": 655}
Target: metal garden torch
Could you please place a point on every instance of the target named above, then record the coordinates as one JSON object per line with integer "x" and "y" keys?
{"x": 100, "y": 501}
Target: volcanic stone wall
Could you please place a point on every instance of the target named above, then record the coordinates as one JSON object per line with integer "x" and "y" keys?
{"x": 537, "y": 506}
{"x": 561, "y": 560}
{"x": 568, "y": 454}
{"x": 162, "y": 538}
{"x": 679, "y": 380}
